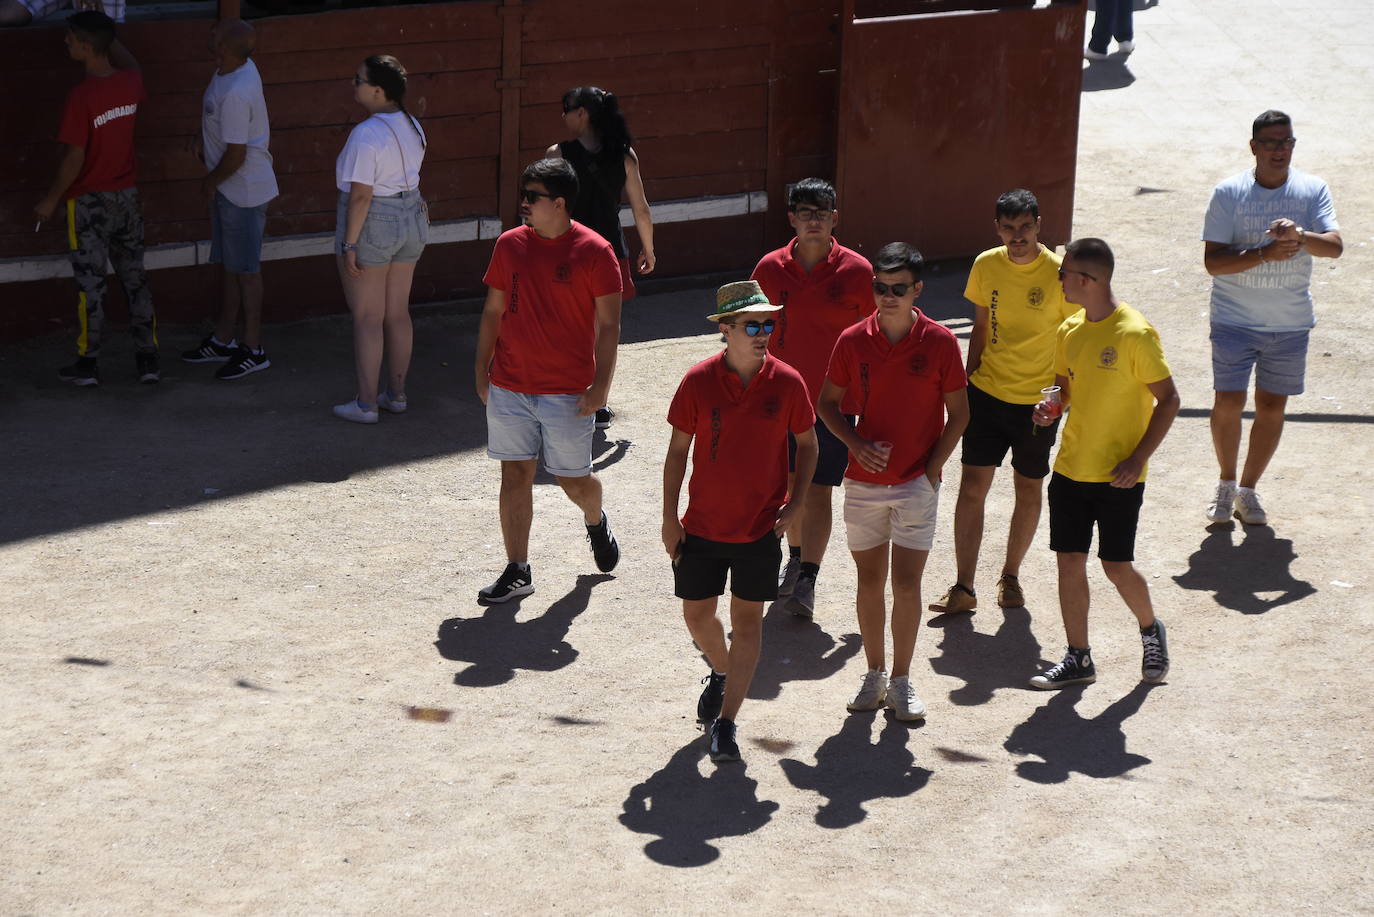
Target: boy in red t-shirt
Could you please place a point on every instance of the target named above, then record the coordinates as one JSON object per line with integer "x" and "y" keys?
{"x": 904, "y": 374}
{"x": 96, "y": 178}
{"x": 739, "y": 406}
{"x": 545, "y": 357}
{"x": 825, "y": 288}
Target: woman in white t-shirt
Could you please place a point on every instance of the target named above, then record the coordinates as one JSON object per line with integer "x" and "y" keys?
{"x": 382, "y": 229}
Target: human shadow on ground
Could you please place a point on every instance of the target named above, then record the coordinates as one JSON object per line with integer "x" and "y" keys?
{"x": 687, "y": 811}
{"x": 795, "y": 649}
{"x": 1111, "y": 73}
{"x": 1236, "y": 574}
{"x": 497, "y": 644}
{"x": 986, "y": 663}
{"x": 1067, "y": 743}
{"x": 851, "y": 770}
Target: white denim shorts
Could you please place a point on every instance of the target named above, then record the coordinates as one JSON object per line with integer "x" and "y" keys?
{"x": 903, "y": 514}
{"x": 520, "y": 426}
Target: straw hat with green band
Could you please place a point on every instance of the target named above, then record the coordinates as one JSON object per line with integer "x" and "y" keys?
{"x": 742, "y": 296}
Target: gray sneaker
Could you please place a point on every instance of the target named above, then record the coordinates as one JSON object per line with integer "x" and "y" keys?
{"x": 872, "y": 692}
{"x": 788, "y": 580}
{"x": 802, "y": 602}
{"x": 903, "y": 700}
{"x": 1154, "y": 663}
{"x": 1219, "y": 510}
{"x": 1248, "y": 509}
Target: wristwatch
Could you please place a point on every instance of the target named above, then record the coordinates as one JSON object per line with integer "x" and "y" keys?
{"x": 1302, "y": 237}
{"x": 348, "y": 247}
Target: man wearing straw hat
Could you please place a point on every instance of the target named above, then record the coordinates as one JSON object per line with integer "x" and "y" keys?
{"x": 739, "y": 406}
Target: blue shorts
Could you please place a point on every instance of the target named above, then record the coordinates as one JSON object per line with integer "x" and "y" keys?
{"x": 520, "y": 426}
{"x": 396, "y": 229}
{"x": 1279, "y": 359}
{"x": 236, "y": 235}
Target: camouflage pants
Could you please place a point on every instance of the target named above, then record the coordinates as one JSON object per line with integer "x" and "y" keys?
{"x": 107, "y": 226}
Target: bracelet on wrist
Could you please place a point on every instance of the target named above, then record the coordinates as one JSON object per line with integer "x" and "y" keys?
{"x": 349, "y": 247}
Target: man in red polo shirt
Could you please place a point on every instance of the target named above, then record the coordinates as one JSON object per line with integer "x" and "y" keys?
{"x": 825, "y": 288}
{"x": 545, "y": 358}
{"x": 905, "y": 376}
{"x": 739, "y": 406}
{"x": 95, "y": 178}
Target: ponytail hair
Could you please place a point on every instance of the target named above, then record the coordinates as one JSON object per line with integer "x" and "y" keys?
{"x": 386, "y": 73}
{"x": 607, "y": 120}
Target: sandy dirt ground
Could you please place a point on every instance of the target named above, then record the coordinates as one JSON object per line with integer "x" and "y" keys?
{"x": 220, "y": 606}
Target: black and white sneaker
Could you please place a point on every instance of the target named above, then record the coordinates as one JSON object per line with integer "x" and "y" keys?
{"x": 603, "y": 417}
{"x": 605, "y": 549}
{"x": 147, "y": 368}
{"x": 708, "y": 706}
{"x": 243, "y": 362}
{"x": 516, "y": 580}
{"x": 209, "y": 351}
{"x": 84, "y": 371}
{"x": 723, "y": 744}
{"x": 1154, "y": 663}
{"x": 1076, "y": 668}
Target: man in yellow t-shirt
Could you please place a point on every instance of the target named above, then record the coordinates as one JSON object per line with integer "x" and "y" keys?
{"x": 1121, "y": 400}
{"x": 1017, "y": 307}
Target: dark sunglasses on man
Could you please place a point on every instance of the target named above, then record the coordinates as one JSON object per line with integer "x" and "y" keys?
{"x": 754, "y": 329}
{"x": 530, "y": 196}
{"x": 897, "y": 289}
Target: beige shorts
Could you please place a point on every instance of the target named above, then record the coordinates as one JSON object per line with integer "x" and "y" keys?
{"x": 903, "y": 514}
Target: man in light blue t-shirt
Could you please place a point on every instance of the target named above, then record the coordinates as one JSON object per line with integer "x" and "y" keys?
{"x": 1263, "y": 228}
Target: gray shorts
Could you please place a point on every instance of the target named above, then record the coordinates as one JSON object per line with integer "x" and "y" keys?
{"x": 396, "y": 229}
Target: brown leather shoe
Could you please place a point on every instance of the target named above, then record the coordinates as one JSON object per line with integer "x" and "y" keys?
{"x": 1009, "y": 593}
{"x": 956, "y": 599}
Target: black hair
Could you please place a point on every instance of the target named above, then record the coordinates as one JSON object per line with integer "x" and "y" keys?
{"x": 94, "y": 28}
{"x": 607, "y": 120}
{"x": 1093, "y": 251}
{"x": 1016, "y": 202}
{"x": 1270, "y": 118}
{"x": 817, "y": 192}
{"x": 386, "y": 73}
{"x": 899, "y": 256}
{"x": 557, "y": 176}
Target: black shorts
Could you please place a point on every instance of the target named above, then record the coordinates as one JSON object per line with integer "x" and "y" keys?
{"x": 995, "y": 425}
{"x": 833, "y": 458}
{"x": 701, "y": 564}
{"x": 1076, "y": 505}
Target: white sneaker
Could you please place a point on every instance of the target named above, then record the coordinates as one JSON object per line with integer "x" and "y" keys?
{"x": 1248, "y": 509}
{"x": 1219, "y": 510}
{"x": 394, "y": 405}
{"x": 1090, "y": 54}
{"x": 903, "y": 701}
{"x": 872, "y": 692}
{"x": 1125, "y": 47}
{"x": 352, "y": 411}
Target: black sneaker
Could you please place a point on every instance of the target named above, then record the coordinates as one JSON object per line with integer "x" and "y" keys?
{"x": 723, "y": 745}
{"x": 209, "y": 351}
{"x": 147, "y": 367}
{"x": 1075, "y": 669}
{"x": 603, "y": 417}
{"x": 243, "y": 362}
{"x": 513, "y": 582}
{"x": 1154, "y": 664}
{"x": 708, "y": 706}
{"x": 83, "y": 372}
{"x": 605, "y": 548}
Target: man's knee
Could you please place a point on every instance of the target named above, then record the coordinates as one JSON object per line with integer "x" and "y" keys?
{"x": 517, "y": 474}
{"x": 1119, "y": 571}
{"x": 1269, "y": 403}
{"x": 1228, "y": 402}
{"x": 975, "y": 481}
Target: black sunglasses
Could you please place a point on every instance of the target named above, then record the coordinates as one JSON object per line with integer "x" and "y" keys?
{"x": 897, "y": 289}
{"x": 1270, "y": 144}
{"x": 530, "y": 196}
{"x": 1063, "y": 271}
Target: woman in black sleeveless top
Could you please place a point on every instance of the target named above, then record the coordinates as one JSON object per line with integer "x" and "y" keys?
{"x": 607, "y": 171}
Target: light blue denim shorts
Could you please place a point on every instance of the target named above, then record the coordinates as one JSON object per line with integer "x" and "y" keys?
{"x": 236, "y": 235}
{"x": 1279, "y": 359}
{"x": 520, "y": 426}
{"x": 397, "y": 229}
